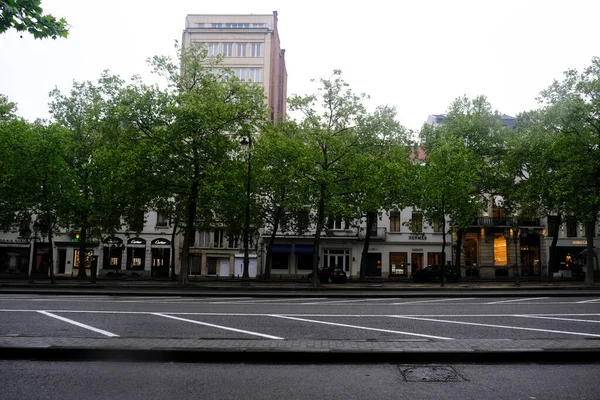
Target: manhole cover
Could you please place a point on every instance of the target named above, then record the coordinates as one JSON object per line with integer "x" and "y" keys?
{"x": 429, "y": 373}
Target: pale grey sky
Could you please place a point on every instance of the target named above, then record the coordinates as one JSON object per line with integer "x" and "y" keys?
{"x": 416, "y": 55}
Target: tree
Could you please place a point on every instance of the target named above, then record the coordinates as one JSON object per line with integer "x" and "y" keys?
{"x": 28, "y": 16}
{"x": 279, "y": 159}
{"x": 572, "y": 110}
{"x": 188, "y": 131}
{"x": 333, "y": 136}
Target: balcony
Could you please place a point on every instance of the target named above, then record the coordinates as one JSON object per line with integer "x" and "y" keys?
{"x": 379, "y": 234}
{"x": 344, "y": 233}
{"x": 506, "y": 221}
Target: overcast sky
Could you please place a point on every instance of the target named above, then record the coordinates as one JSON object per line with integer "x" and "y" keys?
{"x": 416, "y": 55}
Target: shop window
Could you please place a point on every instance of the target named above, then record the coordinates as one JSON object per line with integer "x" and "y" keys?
{"x": 398, "y": 263}
{"x": 434, "y": 258}
{"x": 279, "y": 260}
{"x": 500, "y": 251}
{"x": 337, "y": 258}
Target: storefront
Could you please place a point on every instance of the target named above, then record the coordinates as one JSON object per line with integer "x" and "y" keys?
{"x": 14, "y": 257}
{"x": 112, "y": 255}
{"x": 136, "y": 255}
{"x": 161, "y": 257}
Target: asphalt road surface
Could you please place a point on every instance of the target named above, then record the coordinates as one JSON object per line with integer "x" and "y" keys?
{"x": 300, "y": 318}
{"x": 112, "y": 380}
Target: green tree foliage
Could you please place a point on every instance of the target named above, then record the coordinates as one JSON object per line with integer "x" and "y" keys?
{"x": 187, "y": 131}
{"x": 28, "y": 16}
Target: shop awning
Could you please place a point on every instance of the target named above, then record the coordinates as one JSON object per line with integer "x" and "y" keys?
{"x": 303, "y": 249}
{"x": 281, "y": 248}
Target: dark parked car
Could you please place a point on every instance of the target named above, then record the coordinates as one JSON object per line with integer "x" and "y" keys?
{"x": 330, "y": 275}
{"x": 434, "y": 272}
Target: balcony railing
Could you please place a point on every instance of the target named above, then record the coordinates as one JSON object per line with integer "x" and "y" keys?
{"x": 340, "y": 233}
{"x": 506, "y": 221}
{"x": 379, "y": 234}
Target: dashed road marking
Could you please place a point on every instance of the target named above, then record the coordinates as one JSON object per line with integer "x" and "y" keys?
{"x": 516, "y": 300}
{"x": 349, "y": 301}
{"x": 434, "y": 300}
{"x": 217, "y": 326}
{"x": 79, "y": 324}
{"x": 359, "y": 327}
{"x": 588, "y": 301}
{"x": 267, "y": 301}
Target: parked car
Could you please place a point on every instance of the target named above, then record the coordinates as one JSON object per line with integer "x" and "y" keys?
{"x": 330, "y": 275}
{"x": 434, "y": 272}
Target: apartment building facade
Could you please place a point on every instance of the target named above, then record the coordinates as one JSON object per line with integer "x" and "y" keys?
{"x": 249, "y": 45}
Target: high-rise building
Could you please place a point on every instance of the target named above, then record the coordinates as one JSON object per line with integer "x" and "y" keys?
{"x": 250, "y": 46}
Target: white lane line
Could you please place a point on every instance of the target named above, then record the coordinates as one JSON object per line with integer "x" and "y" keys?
{"x": 359, "y": 327}
{"x": 559, "y": 319}
{"x": 588, "y": 301}
{"x": 218, "y": 326}
{"x": 497, "y": 326}
{"x": 349, "y": 301}
{"x": 261, "y": 301}
{"x": 434, "y": 300}
{"x": 79, "y": 324}
{"x": 515, "y": 300}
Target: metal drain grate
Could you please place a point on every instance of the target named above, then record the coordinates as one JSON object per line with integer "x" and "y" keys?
{"x": 429, "y": 373}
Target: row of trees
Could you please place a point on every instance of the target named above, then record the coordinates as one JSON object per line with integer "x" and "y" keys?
{"x": 114, "y": 149}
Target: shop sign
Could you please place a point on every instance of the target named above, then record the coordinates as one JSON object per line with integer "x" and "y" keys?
{"x": 15, "y": 241}
{"x": 420, "y": 236}
{"x": 136, "y": 241}
{"x": 373, "y": 249}
{"x": 580, "y": 242}
{"x": 416, "y": 249}
{"x": 160, "y": 242}
{"x": 113, "y": 240}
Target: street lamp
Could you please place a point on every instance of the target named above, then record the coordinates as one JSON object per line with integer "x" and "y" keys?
{"x": 33, "y": 239}
{"x": 247, "y": 142}
{"x": 515, "y": 240}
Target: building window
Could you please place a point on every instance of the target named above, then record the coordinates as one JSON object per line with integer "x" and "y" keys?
{"x": 302, "y": 221}
{"x": 241, "y": 74}
{"x": 255, "y": 50}
{"x": 204, "y": 239}
{"x": 24, "y": 227}
{"x": 434, "y": 258}
{"x": 161, "y": 219}
{"x": 213, "y": 49}
{"x": 241, "y": 49}
{"x": 254, "y": 75}
{"x": 233, "y": 242}
{"x": 258, "y": 25}
{"x": 200, "y": 25}
{"x": 416, "y": 224}
{"x": 438, "y": 227}
{"x": 395, "y": 221}
{"x": 88, "y": 259}
{"x": 571, "y": 227}
{"x": 137, "y": 223}
{"x": 216, "y": 25}
{"x": 500, "y": 254}
{"x": 237, "y": 26}
{"x": 227, "y": 49}
{"x": 279, "y": 260}
{"x": 552, "y": 223}
{"x": 398, "y": 263}
{"x": 338, "y": 223}
{"x": 219, "y": 238}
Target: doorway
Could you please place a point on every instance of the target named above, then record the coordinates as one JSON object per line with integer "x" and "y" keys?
{"x": 374, "y": 264}
{"x": 416, "y": 262}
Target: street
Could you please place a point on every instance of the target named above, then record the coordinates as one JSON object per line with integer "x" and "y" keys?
{"x": 436, "y": 318}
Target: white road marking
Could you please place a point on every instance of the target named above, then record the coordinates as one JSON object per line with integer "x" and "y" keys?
{"x": 559, "y": 319}
{"x": 359, "y": 327}
{"x": 515, "y": 300}
{"x": 79, "y": 324}
{"x": 217, "y": 326}
{"x": 261, "y": 301}
{"x": 588, "y": 301}
{"x": 497, "y": 326}
{"x": 349, "y": 301}
{"x": 434, "y": 300}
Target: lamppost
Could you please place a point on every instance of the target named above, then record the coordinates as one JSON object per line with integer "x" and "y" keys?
{"x": 247, "y": 142}
{"x": 515, "y": 240}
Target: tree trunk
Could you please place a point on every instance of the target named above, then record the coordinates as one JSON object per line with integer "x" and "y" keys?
{"x": 553, "y": 261}
{"x": 443, "y": 272}
{"x": 189, "y": 233}
{"x": 363, "y": 259}
{"x": 173, "y": 234}
{"x": 317, "y": 238}
{"x": 269, "y": 260}
{"x": 460, "y": 232}
{"x": 51, "y": 248}
{"x": 589, "y": 235}
{"x": 81, "y": 274}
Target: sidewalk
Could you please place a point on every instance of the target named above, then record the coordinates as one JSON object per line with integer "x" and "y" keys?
{"x": 294, "y": 289}
{"x": 300, "y": 351}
